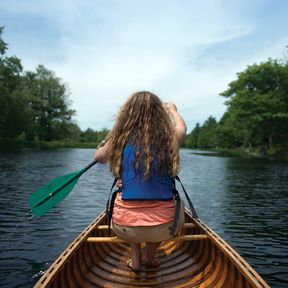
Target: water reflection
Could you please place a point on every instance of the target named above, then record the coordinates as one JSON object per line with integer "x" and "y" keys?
{"x": 243, "y": 200}
{"x": 257, "y": 208}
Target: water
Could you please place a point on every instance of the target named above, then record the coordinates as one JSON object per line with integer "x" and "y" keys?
{"x": 243, "y": 200}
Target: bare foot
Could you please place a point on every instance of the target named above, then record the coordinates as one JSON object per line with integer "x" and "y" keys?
{"x": 148, "y": 258}
{"x": 132, "y": 266}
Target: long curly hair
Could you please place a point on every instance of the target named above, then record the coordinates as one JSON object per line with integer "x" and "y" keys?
{"x": 144, "y": 121}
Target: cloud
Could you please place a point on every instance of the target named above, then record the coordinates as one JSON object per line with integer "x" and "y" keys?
{"x": 186, "y": 51}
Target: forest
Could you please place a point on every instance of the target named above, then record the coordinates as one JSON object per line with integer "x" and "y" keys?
{"x": 35, "y": 108}
{"x": 256, "y": 119}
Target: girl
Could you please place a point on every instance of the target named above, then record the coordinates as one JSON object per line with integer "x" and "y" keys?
{"x": 143, "y": 153}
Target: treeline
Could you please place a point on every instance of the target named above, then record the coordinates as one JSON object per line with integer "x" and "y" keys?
{"x": 256, "y": 115}
{"x": 35, "y": 105}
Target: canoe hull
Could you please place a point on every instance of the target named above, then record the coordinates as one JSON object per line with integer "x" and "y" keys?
{"x": 205, "y": 262}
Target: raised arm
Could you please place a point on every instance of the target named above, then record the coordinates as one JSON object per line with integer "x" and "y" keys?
{"x": 102, "y": 152}
{"x": 180, "y": 125}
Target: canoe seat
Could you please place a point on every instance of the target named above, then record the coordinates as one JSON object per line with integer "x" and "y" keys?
{"x": 185, "y": 226}
{"x": 211, "y": 263}
{"x": 118, "y": 240}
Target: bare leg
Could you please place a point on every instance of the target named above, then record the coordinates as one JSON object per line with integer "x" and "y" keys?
{"x": 135, "y": 262}
{"x": 149, "y": 253}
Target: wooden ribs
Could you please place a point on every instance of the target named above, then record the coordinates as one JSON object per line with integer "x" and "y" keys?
{"x": 95, "y": 260}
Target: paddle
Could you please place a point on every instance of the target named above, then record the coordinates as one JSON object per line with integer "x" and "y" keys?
{"x": 55, "y": 191}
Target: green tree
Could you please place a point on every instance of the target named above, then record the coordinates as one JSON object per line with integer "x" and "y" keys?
{"x": 102, "y": 134}
{"x": 226, "y": 133}
{"x": 191, "y": 140}
{"x": 12, "y": 104}
{"x": 207, "y": 134}
{"x": 258, "y": 105}
{"x": 48, "y": 105}
{"x": 66, "y": 131}
{"x": 89, "y": 135}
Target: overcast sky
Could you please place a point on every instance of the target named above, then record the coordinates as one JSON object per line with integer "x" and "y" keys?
{"x": 183, "y": 51}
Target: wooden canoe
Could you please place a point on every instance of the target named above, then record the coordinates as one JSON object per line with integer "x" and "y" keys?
{"x": 197, "y": 257}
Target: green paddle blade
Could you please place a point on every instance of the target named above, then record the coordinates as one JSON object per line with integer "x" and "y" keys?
{"x": 51, "y": 194}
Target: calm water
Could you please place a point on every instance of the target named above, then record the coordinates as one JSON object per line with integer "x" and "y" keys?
{"x": 243, "y": 200}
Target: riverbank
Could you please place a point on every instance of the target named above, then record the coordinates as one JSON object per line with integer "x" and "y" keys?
{"x": 20, "y": 144}
{"x": 277, "y": 153}
{"x": 241, "y": 200}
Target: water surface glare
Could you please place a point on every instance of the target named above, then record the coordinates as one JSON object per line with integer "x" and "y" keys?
{"x": 243, "y": 200}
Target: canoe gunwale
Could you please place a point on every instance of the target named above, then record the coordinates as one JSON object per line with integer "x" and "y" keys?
{"x": 65, "y": 256}
{"x": 249, "y": 273}
{"x": 223, "y": 248}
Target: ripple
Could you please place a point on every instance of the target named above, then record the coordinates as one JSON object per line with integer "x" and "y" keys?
{"x": 243, "y": 200}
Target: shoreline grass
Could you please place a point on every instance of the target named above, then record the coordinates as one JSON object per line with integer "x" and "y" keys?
{"x": 21, "y": 144}
{"x": 277, "y": 153}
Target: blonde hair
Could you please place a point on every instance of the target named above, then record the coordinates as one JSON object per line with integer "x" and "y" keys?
{"x": 144, "y": 121}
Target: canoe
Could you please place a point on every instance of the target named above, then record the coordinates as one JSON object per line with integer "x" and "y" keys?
{"x": 196, "y": 257}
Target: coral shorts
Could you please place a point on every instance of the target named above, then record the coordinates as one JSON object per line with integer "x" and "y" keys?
{"x": 157, "y": 233}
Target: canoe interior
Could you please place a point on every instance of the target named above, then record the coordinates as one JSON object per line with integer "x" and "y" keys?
{"x": 200, "y": 263}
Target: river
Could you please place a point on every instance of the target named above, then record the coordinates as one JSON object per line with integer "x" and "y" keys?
{"x": 244, "y": 200}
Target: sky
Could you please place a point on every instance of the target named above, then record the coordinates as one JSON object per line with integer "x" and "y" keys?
{"x": 183, "y": 51}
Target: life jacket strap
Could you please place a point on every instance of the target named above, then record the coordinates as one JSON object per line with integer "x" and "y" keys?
{"x": 177, "y": 212}
{"x": 178, "y": 207}
{"x": 110, "y": 204}
{"x": 193, "y": 211}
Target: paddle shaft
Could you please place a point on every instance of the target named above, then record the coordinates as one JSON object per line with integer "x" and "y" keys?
{"x": 88, "y": 166}
{"x": 66, "y": 183}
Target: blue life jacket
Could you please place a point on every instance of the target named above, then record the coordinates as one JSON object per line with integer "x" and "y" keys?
{"x": 134, "y": 187}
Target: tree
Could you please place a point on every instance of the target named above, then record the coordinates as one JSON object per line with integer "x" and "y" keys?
{"x": 191, "y": 140}
{"x": 102, "y": 134}
{"x": 228, "y": 134}
{"x": 258, "y": 105}
{"x": 207, "y": 134}
{"x": 89, "y": 135}
{"x": 12, "y": 112}
{"x": 49, "y": 104}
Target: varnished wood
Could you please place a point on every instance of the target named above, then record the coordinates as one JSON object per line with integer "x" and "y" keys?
{"x": 95, "y": 260}
{"x": 185, "y": 226}
{"x": 118, "y": 240}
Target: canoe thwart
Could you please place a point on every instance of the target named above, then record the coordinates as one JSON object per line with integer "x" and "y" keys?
{"x": 185, "y": 226}
{"x": 187, "y": 263}
{"x": 118, "y": 240}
